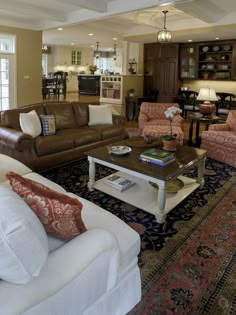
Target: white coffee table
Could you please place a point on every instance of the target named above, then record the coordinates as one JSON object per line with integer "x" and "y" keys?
{"x": 143, "y": 195}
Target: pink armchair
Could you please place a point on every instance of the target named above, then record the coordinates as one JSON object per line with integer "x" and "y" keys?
{"x": 152, "y": 121}
{"x": 220, "y": 140}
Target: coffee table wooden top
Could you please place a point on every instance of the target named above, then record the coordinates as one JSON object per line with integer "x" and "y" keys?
{"x": 186, "y": 157}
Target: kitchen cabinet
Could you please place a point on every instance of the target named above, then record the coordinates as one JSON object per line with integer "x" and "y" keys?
{"x": 161, "y": 70}
{"x": 188, "y": 61}
{"x": 114, "y": 88}
{"x": 214, "y": 60}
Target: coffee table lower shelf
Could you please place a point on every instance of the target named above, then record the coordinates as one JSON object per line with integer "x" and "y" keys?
{"x": 144, "y": 196}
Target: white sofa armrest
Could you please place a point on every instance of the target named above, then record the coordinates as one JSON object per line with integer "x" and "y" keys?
{"x": 64, "y": 265}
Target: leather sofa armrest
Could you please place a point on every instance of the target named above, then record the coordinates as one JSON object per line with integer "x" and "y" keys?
{"x": 219, "y": 127}
{"x": 118, "y": 120}
{"x": 14, "y": 139}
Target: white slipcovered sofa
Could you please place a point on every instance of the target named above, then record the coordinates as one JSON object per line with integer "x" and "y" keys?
{"x": 94, "y": 273}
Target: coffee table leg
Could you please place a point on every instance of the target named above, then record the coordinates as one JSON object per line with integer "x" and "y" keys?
{"x": 161, "y": 201}
{"x": 91, "y": 174}
{"x": 201, "y": 170}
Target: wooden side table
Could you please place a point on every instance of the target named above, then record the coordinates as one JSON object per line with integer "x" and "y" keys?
{"x": 198, "y": 120}
{"x": 131, "y": 106}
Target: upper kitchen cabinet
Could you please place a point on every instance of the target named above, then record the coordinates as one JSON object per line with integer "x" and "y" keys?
{"x": 216, "y": 60}
{"x": 188, "y": 61}
{"x": 72, "y": 56}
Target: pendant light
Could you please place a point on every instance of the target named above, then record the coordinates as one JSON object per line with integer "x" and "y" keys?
{"x": 114, "y": 53}
{"x": 164, "y": 36}
{"x": 97, "y": 53}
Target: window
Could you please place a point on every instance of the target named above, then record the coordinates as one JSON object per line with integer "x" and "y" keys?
{"x": 45, "y": 64}
{"x": 7, "y": 73}
{"x": 105, "y": 63}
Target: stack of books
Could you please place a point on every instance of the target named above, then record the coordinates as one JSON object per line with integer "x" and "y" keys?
{"x": 119, "y": 182}
{"x": 157, "y": 156}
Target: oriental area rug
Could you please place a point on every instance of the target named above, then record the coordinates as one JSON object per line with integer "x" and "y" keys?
{"x": 188, "y": 264}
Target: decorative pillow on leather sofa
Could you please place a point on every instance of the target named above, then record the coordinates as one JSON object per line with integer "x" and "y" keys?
{"x": 59, "y": 213}
{"x": 100, "y": 115}
{"x": 23, "y": 240}
{"x": 30, "y": 123}
{"x": 48, "y": 124}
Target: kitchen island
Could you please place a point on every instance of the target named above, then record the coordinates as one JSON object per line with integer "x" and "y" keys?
{"x": 88, "y": 84}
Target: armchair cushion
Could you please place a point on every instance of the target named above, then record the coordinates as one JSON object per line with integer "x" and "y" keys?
{"x": 23, "y": 241}
{"x": 59, "y": 214}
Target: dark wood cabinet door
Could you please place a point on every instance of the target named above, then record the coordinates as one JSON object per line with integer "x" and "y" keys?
{"x": 167, "y": 72}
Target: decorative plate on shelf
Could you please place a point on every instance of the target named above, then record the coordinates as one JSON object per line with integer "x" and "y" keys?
{"x": 216, "y": 48}
{"x": 226, "y": 47}
{"x": 120, "y": 149}
{"x": 205, "y": 48}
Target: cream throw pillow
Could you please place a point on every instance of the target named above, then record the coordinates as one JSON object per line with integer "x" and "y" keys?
{"x": 100, "y": 115}
{"x": 30, "y": 123}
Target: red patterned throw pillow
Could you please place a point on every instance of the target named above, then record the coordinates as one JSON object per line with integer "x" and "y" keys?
{"x": 59, "y": 214}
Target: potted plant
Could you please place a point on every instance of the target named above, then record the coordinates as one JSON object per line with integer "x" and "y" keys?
{"x": 170, "y": 140}
{"x": 92, "y": 68}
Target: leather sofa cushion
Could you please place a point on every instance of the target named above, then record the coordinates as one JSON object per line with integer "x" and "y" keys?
{"x": 81, "y": 136}
{"x": 51, "y": 144}
{"x": 63, "y": 113}
{"x": 81, "y": 111}
{"x": 108, "y": 131}
{"x": 10, "y": 118}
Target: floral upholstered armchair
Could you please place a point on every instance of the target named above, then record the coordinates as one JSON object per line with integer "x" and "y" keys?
{"x": 152, "y": 121}
{"x": 220, "y": 140}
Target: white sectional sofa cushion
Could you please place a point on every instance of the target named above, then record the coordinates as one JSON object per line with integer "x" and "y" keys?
{"x": 95, "y": 273}
{"x": 23, "y": 240}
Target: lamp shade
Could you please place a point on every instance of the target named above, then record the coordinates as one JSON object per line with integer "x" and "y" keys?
{"x": 207, "y": 94}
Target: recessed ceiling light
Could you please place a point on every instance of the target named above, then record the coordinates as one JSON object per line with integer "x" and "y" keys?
{"x": 72, "y": 43}
{"x": 217, "y": 38}
{"x": 60, "y": 29}
{"x": 114, "y": 38}
{"x": 92, "y": 46}
{"x": 90, "y": 34}
{"x": 190, "y": 40}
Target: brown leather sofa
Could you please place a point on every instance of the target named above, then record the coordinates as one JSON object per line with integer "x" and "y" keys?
{"x": 72, "y": 139}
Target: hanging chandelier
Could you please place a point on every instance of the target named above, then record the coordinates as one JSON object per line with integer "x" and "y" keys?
{"x": 164, "y": 36}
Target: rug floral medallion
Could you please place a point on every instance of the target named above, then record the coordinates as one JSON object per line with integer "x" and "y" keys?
{"x": 188, "y": 264}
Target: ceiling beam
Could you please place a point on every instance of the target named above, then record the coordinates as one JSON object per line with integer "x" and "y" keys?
{"x": 11, "y": 7}
{"x": 210, "y": 14}
{"x": 93, "y": 5}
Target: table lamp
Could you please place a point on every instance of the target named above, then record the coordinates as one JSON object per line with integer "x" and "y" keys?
{"x": 207, "y": 95}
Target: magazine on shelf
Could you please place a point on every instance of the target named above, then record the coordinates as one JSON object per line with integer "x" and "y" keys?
{"x": 157, "y": 162}
{"x": 157, "y": 154}
{"x": 119, "y": 182}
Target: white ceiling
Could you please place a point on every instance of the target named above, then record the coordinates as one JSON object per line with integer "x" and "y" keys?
{"x": 134, "y": 20}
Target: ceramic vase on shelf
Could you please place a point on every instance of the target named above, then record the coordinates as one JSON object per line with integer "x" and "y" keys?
{"x": 169, "y": 144}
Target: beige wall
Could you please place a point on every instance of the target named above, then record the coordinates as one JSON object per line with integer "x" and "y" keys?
{"x": 28, "y": 63}
{"x": 219, "y": 86}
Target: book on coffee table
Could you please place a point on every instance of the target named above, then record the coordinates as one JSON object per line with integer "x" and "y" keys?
{"x": 119, "y": 182}
{"x": 156, "y": 154}
{"x": 157, "y": 162}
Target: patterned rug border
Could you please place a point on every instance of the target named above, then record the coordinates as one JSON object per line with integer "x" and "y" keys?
{"x": 175, "y": 244}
